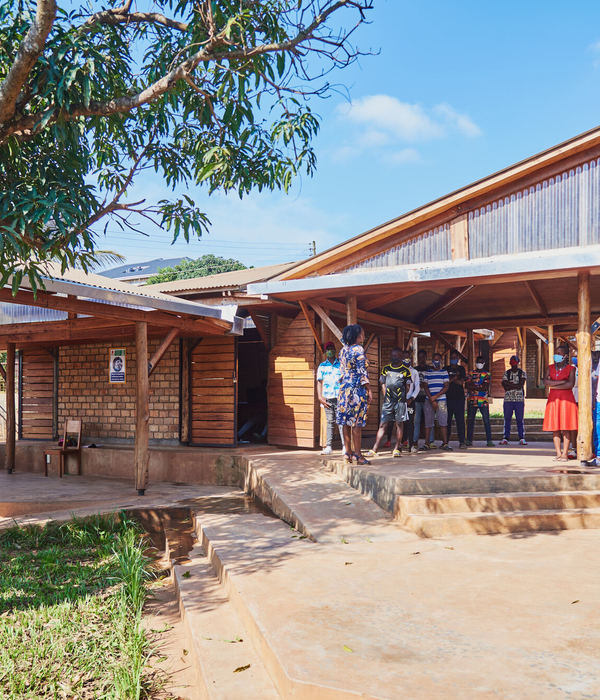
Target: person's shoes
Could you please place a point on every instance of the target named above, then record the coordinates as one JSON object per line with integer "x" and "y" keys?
{"x": 462, "y": 446}
{"x": 489, "y": 443}
{"x": 326, "y": 451}
{"x": 468, "y": 443}
{"x": 371, "y": 453}
{"x": 590, "y": 462}
{"x": 425, "y": 448}
{"x": 446, "y": 447}
{"x": 397, "y": 453}
{"x": 572, "y": 453}
{"x": 522, "y": 441}
{"x": 432, "y": 445}
{"x": 504, "y": 441}
{"x": 414, "y": 449}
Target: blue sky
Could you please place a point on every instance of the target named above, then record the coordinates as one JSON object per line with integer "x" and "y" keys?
{"x": 458, "y": 90}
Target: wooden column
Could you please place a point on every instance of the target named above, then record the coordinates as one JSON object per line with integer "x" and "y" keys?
{"x": 584, "y": 364}
{"x": 550, "y": 344}
{"x": 400, "y": 338}
{"x": 415, "y": 350}
{"x": 142, "y": 408}
{"x": 351, "y": 310}
{"x": 524, "y": 358}
{"x": 471, "y": 348}
{"x": 9, "y": 457}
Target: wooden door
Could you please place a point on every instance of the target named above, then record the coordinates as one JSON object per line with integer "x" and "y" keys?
{"x": 37, "y": 396}
{"x": 213, "y": 391}
{"x": 292, "y": 390}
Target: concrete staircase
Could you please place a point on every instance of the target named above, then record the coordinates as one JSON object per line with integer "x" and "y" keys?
{"x": 533, "y": 430}
{"x": 497, "y": 513}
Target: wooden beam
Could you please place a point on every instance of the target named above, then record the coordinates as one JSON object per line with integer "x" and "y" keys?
{"x": 550, "y": 344}
{"x": 11, "y": 424}
{"x": 503, "y": 323}
{"x": 449, "y": 345}
{"x": 384, "y": 299}
{"x": 459, "y": 237}
{"x": 311, "y": 325}
{"x": 351, "y": 310}
{"x": 2, "y": 372}
{"x": 497, "y": 335}
{"x": 520, "y": 335}
{"x": 369, "y": 341}
{"x": 536, "y": 298}
{"x": 585, "y": 448}
{"x": 400, "y": 338}
{"x": 161, "y": 349}
{"x": 470, "y": 349}
{"x": 261, "y": 327}
{"x": 62, "y": 328}
{"x": 446, "y": 302}
{"x": 539, "y": 333}
{"x": 120, "y": 313}
{"x": 142, "y": 408}
{"x": 327, "y": 321}
{"x": 369, "y": 317}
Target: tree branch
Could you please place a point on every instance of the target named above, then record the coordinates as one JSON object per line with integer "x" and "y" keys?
{"x": 27, "y": 55}
{"x": 120, "y": 16}
{"x": 28, "y": 125}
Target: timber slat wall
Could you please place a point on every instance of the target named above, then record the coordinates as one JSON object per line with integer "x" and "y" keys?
{"x": 291, "y": 389}
{"x": 213, "y": 391}
{"x": 37, "y": 395}
{"x": 374, "y": 371}
{"x": 501, "y": 354}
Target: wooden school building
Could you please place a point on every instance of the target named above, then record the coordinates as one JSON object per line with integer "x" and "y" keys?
{"x": 508, "y": 264}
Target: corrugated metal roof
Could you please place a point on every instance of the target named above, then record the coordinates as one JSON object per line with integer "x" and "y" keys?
{"x": 141, "y": 269}
{"x": 88, "y": 285}
{"x": 223, "y": 280}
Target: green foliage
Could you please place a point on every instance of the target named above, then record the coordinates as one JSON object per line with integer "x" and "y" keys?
{"x": 201, "y": 267}
{"x": 71, "y": 598}
{"x": 216, "y": 94}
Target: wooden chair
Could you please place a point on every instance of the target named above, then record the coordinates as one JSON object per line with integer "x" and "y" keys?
{"x": 71, "y": 445}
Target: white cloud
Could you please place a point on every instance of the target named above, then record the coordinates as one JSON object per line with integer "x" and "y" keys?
{"x": 380, "y": 121}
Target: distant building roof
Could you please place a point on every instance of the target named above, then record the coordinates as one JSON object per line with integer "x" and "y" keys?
{"x": 141, "y": 269}
{"x": 236, "y": 279}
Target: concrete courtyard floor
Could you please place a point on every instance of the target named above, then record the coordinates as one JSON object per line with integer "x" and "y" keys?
{"x": 370, "y": 610}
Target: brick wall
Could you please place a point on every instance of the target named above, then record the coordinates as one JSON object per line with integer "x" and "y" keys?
{"x": 108, "y": 410}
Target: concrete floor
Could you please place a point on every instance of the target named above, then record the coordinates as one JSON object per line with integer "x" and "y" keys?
{"x": 369, "y": 609}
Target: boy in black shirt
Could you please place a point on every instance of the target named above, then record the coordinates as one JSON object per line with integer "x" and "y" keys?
{"x": 455, "y": 397}
{"x": 421, "y": 367}
{"x": 395, "y": 382}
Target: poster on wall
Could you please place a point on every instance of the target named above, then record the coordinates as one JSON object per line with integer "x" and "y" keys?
{"x": 116, "y": 366}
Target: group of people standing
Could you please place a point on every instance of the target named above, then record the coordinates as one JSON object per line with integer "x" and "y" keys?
{"x": 432, "y": 393}
{"x": 413, "y": 396}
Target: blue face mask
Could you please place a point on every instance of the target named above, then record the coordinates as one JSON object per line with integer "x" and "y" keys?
{"x": 453, "y": 361}
{"x": 559, "y": 358}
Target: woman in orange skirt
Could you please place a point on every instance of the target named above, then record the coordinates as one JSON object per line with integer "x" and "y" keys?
{"x": 561, "y": 410}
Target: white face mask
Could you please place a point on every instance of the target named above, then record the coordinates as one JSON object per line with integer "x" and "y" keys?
{"x": 479, "y": 365}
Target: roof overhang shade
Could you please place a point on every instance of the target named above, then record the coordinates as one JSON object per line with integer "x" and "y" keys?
{"x": 485, "y": 292}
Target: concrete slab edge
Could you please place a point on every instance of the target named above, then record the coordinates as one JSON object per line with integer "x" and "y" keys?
{"x": 287, "y": 686}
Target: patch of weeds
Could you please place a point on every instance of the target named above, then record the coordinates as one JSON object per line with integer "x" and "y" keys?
{"x": 71, "y": 598}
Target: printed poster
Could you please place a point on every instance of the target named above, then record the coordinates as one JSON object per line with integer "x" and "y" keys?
{"x": 116, "y": 366}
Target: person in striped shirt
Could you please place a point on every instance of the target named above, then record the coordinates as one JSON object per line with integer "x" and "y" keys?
{"x": 436, "y": 382}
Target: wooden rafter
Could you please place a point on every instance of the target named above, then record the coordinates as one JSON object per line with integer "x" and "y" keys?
{"x": 384, "y": 299}
{"x": 261, "y": 327}
{"x": 445, "y": 303}
{"x": 311, "y": 325}
{"x": 369, "y": 317}
{"x": 369, "y": 341}
{"x": 497, "y": 335}
{"x": 508, "y": 322}
{"x": 322, "y": 314}
{"x": 535, "y": 295}
{"x": 540, "y": 334}
{"x": 448, "y": 344}
{"x": 162, "y": 348}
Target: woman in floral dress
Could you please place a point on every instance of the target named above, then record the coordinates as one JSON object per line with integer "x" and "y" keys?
{"x": 355, "y": 393}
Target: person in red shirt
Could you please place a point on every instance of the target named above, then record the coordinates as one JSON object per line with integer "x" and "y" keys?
{"x": 560, "y": 417}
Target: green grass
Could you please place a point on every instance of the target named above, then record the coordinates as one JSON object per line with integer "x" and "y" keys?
{"x": 71, "y": 598}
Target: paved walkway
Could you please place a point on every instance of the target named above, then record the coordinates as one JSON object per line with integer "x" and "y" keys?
{"x": 372, "y": 610}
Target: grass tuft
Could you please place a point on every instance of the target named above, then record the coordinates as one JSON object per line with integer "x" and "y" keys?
{"x": 71, "y": 600}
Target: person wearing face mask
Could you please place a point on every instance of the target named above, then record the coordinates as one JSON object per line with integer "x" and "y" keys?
{"x": 436, "y": 382}
{"x": 455, "y": 397}
{"x": 513, "y": 381}
{"x": 561, "y": 417}
{"x": 413, "y": 392}
{"x": 328, "y": 386}
{"x": 395, "y": 383}
{"x": 478, "y": 387}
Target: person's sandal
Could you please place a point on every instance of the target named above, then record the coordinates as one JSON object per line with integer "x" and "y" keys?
{"x": 360, "y": 458}
{"x": 348, "y": 457}
{"x": 371, "y": 453}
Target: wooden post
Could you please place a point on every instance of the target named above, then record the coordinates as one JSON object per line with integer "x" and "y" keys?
{"x": 471, "y": 348}
{"x": 9, "y": 456}
{"x": 415, "y": 350}
{"x": 142, "y": 409}
{"x": 351, "y": 310}
{"x": 524, "y": 358}
{"x": 550, "y": 344}
{"x": 400, "y": 338}
{"x": 162, "y": 348}
{"x": 584, "y": 365}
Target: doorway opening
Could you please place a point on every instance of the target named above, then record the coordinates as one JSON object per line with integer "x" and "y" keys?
{"x": 253, "y": 368}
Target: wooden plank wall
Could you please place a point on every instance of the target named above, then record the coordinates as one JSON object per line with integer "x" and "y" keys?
{"x": 213, "y": 391}
{"x": 37, "y": 395}
{"x": 374, "y": 370}
{"x": 293, "y": 414}
{"x": 501, "y": 354}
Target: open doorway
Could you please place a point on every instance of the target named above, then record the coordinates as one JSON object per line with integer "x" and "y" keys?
{"x": 253, "y": 366}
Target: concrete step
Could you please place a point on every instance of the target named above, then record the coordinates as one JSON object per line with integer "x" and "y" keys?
{"x": 227, "y": 663}
{"x": 494, "y": 503}
{"x": 447, "y": 524}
